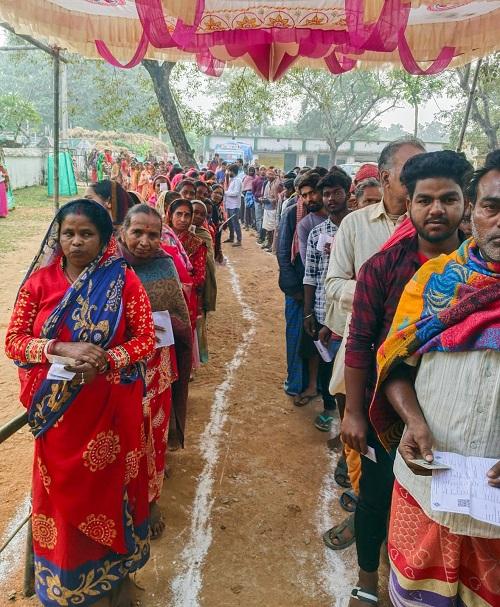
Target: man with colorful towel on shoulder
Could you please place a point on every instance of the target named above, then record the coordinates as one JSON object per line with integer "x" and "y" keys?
{"x": 435, "y": 184}
{"x": 440, "y": 369}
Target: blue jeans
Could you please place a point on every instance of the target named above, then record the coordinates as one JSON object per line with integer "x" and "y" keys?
{"x": 234, "y": 224}
{"x": 295, "y": 380}
{"x": 259, "y": 214}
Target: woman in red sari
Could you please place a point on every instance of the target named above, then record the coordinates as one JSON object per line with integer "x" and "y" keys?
{"x": 140, "y": 245}
{"x": 79, "y": 300}
{"x": 180, "y": 219}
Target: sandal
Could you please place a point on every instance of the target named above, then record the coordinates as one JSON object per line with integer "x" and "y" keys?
{"x": 324, "y": 421}
{"x": 341, "y": 474}
{"x": 364, "y": 596}
{"x": 301, "y": 401}
{"x": 349, "y": 500}
{"x": 336, "y": 533}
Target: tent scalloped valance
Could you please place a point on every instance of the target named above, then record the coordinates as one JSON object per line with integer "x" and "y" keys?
{"x": 424, "y": 36}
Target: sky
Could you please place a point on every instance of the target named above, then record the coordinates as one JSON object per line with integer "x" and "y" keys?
{"x": 427, "y": 112}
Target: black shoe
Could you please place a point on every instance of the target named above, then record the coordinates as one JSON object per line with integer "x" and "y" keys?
{"x": 227, "y": 240}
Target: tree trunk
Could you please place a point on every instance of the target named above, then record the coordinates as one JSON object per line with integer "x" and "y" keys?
{"x": 415, "y": 126}
{"x": 160, "y": 75}
{"x": 334, "y": 147}
{"x": 480, "y": 114}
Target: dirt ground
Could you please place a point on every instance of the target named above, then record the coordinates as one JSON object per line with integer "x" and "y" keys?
{"x": 249, "y": 496}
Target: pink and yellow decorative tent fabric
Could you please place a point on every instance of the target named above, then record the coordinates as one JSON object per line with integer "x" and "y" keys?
{"x": 423, "y": 36}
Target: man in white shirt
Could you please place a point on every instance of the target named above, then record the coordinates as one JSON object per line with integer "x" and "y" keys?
{"x": 232, "y": 202}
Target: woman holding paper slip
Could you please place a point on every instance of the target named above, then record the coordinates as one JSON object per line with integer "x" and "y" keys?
{"x": 140, "y": 245}
{"x": 90, "y": 508}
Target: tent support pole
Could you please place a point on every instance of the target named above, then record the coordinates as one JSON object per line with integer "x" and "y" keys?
{"x": 57, "y": 95}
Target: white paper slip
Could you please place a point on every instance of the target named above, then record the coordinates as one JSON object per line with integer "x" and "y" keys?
{"x": 327, "y": 354}
{"x": 371, "y": 454}
{"x": 165, "y": 337}
{"x": 61, "y": 360}
{"x": 323, "y": 240}
{"x": 429, "y": 465}
{"x": 464, "y": 488}
{"x": 57, "y": 372}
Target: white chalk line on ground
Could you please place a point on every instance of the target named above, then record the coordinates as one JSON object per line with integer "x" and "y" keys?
{"x": 336, "y": 579}
{"x": 187, "y": 585}
{"x": 12, "y": 557}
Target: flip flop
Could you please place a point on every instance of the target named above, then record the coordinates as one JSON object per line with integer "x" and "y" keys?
{"x": 341, "y": 474}
{"x": 324, "y": 421}
{"x": 349, "y": 500}
{"x": 337, "y": 531}
{"x": 305, "y": 400}
{"x": 364, "y": 596}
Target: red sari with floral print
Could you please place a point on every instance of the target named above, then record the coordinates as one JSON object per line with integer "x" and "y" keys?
{"x": 196, "y": 250}
{"x": 90, "y": 502}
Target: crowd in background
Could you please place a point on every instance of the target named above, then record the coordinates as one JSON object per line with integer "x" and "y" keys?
{"x": 392, "y": 313}
{"x": 392, "y": 319}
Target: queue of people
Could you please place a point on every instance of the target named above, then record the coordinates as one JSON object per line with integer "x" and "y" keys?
{"x": 108, "y": 328}
{"x": 392, "y": 316}
{"x": 391, "y": 285}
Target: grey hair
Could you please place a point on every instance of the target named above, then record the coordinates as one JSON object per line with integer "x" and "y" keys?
{"x": 370, "y": 182}
{"x": 139, "y": 209}
{"x": 200, "y": 202}
{"x": 387, "y": 154}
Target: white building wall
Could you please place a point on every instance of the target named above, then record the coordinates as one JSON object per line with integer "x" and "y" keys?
{"x": 279, "y": 145}
{"x": 26, "y": 166}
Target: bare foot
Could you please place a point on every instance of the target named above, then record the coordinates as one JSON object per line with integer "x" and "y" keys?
{"x": 305, "y": 397}
{"x": 123, "y": 595}
{"x": 156, "y": 521}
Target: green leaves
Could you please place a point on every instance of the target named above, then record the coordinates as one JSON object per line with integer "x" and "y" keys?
{"x": 243, "y": 102}
{"x": 337, "y": 108}
{"x": 16, "y": 112}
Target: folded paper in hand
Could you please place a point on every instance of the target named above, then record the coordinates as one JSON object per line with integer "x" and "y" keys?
{"x": 165, "y": 337}
{"x": 323, "y": 240}
{"x": 57, "y": 371}
{"x": 327, "y": 354}
{"x": 464, "y": 488}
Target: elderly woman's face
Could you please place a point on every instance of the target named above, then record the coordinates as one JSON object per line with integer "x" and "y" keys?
{"x": 142, "y": 236}
{"x": 80, "y": 240}
{"x": 199, "y": 214}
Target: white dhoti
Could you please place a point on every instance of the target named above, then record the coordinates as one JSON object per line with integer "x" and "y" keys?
{"x": 269, "y": 220}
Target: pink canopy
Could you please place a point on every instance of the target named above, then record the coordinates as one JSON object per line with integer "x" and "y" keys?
{"x": 424, "y": 36}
